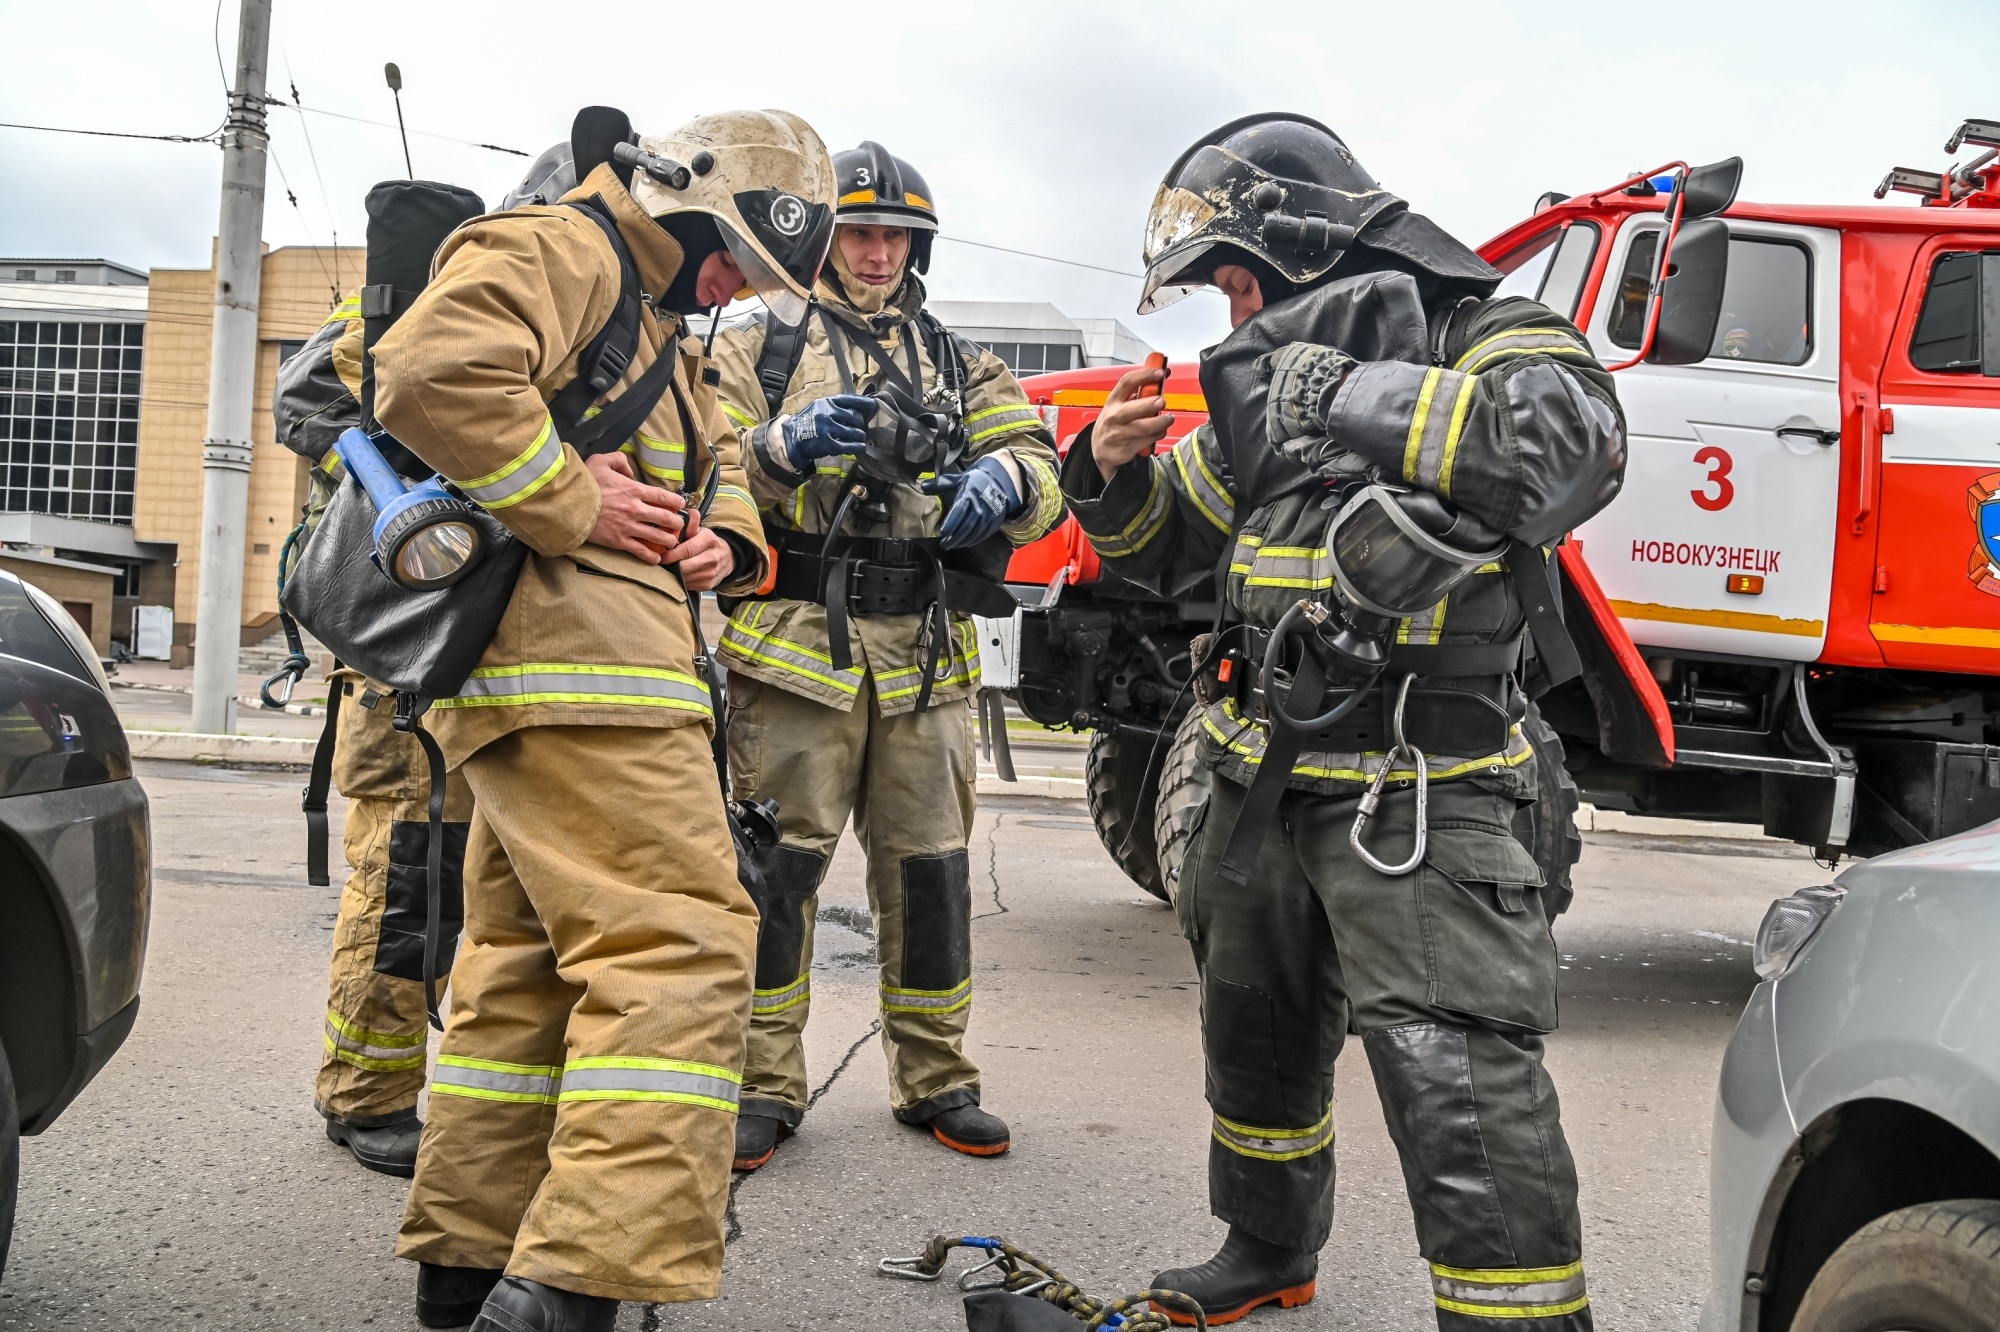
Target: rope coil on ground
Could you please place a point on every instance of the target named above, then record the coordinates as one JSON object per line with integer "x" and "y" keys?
{"x": 1022, "y": 1273}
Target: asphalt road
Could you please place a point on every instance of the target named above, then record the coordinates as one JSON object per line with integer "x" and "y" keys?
{"x": 192, "y": 1187}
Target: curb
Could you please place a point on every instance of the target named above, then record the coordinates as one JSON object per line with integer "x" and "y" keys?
{"x": 287, "y": 752}
{"x": 190, "y": 747}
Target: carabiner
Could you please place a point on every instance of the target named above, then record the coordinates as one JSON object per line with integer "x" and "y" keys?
{"x": 910, "y": 1269}
{"x": 966, "y": 1283}
{"x": 291, "y": 673}
{"x": 1372, "y": 799}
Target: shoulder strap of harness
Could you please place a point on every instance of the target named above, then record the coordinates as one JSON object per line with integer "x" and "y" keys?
{"x": 605, "y": 358}
{"x": 784, "y": 346}
{"x": 312, "y": 800}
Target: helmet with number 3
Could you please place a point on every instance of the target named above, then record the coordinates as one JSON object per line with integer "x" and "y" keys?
{"x": 877, "y": 189}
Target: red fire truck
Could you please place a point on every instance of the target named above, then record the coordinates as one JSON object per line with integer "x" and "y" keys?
{"x": 1791, "y": 613}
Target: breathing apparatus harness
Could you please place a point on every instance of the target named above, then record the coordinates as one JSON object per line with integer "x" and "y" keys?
{"x": 913, "y": 434}
{"x": 1395, "y": 552}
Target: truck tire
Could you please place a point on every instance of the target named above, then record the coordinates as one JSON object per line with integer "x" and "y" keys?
{"x": 1934, "y": 1266}
{"x": 10, "y": 1159}
{"x": 1121, "y": 778}
{"x": 1184, "y": 784}
{"x": 1547, "y": 828}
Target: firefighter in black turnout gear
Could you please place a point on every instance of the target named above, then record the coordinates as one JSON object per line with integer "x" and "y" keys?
{"x": 1391, "y": 456}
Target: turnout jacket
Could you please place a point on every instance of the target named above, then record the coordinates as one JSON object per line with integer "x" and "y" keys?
{"x": 785, "y": 643}
{"x": 592, "y": 636}
{"x": 1507, "y": 414}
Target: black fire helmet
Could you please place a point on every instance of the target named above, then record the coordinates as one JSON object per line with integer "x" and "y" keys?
{"x": 879, "y": 189}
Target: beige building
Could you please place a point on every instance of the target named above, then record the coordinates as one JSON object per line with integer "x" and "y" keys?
{"x": 301, "y": 285}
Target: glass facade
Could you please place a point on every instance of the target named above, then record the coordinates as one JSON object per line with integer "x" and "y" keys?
{"x": 69, "y": 418}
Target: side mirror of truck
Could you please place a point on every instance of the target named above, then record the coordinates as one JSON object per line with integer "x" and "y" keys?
{"x": 1691, "y": 297}
{"x": 1708, "y": 190}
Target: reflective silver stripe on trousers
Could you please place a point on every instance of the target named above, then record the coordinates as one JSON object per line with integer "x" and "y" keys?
{"x": 774, "y": 1001}
{"x": 448, "y": 1075}
{"x": 412, "y": 1053}
{"x": 1511, "y": 1293}
{"x": 668, "y": 1081}
{"x": 1271, "y": 1144}
{"x": 919, "y": 1001}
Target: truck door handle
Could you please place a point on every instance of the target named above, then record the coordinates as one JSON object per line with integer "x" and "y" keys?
{"x": 1811, "y": 434}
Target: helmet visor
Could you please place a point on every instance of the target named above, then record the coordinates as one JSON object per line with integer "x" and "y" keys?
{"x": 1168, "y": 279}
{"x": 786, "y": 244}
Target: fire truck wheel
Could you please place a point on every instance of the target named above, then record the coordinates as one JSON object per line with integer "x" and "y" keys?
{"x": 1183, "y": 795}
{"x": 1121, "y": 780}
{"x": 1548, "y": 827}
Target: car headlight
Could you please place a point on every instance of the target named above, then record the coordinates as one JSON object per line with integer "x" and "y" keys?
{"x": 1789, "y": 926}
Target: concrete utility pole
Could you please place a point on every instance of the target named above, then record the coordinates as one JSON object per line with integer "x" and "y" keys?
{"x": 232, "y": 377}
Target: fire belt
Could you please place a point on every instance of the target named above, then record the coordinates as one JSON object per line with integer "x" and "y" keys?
{"x": 1444, "y": 698}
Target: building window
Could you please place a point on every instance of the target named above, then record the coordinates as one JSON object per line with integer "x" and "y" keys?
{"x": 1034, "y": 358}
{"x": 290, "y": 347}
{"x": 24, "y": 275}
{"x": 65, "y": 275}
{"x": 69, "y": 418}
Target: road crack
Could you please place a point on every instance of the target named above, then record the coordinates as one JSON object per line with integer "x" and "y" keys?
{"x": 993, "y": 867}
{"x": 732, "y": 1224}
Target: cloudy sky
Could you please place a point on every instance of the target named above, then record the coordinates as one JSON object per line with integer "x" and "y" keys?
{"x": 1041, "y": 126}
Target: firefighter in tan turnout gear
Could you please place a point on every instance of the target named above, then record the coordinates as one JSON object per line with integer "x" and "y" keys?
{"x": 888, "y": 457}
{"x": 583, "y": 1100}
{"x": 373, "y": 1065}
{"x": 1390, "y": 454}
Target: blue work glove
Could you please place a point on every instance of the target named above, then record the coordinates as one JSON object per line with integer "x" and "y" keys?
{"x": 827, "y": 428}
{"x": 983, "y": 497}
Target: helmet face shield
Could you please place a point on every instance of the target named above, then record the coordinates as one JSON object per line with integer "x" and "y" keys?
{"x": 1282, "y": 188}
{"x": 793, "y": 233}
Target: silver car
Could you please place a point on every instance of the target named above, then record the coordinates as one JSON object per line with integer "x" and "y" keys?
{"x": 1856, "y": 1162}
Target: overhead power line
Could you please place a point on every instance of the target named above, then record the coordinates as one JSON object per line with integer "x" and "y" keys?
{"x": 1046, "y": 258}
{"x": 426, "y": 134}
{"x": 212, "y": 136}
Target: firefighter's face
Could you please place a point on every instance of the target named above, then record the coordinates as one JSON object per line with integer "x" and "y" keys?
{"x": 874, "y": 254}
{"x": 719, "y": 281}
{"x": 1240, "y": 285}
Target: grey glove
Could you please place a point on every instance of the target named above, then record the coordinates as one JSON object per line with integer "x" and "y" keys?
{"x": 1304, "y": 377}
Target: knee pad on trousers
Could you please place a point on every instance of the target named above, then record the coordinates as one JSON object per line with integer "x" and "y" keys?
{"x": 1423, "y": 1073}
{"x": 791, "y": 875}
{"x": 399, "y": 951}
{"x": 937, "y": 921}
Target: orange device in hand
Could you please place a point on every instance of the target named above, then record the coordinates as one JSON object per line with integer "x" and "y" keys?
{"x": 1154, "y": 361}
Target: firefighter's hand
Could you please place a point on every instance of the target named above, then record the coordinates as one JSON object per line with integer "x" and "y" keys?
{"x": 631, "y": 515}
{"x": 1129, "y": 426}
{"x": 704, "y": 559}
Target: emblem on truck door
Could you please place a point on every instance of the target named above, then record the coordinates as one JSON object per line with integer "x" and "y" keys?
{"x": 1983, "y": 499}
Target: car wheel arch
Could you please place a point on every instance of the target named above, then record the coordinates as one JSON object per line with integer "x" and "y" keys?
{"x": 37, "y": 941}
{"x": 1854, "y": 1163}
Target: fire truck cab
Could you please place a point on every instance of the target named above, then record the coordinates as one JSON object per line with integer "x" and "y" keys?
{"x": 1791, "y": 613}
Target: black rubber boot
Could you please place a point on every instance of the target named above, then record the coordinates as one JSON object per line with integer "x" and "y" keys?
{"x": 452, "y": 1296}
{"x": 1246, "y": 1273}
{"x": 757, "y": 1138}
{"x": 520, "y": 1305}
{"x": 390, "y": 1148}
{"x": 968, "y": 1129}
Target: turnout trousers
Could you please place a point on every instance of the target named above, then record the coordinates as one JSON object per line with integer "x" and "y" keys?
{"x": 373, "y": 1066}
{"x": 582, "y": 1112}
{"x": 1448, "y": 976}
{"x": 907, "y": 780}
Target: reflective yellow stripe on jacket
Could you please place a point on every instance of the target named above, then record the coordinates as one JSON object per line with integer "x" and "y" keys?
{"x": 531, "y": 469}
{"x": 561, "y": 682}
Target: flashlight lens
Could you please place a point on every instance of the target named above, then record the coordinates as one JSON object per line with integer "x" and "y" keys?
{"x": 434, "y": 554}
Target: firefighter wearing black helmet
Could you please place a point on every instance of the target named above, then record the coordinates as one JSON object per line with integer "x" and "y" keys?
{"x": 1354, "y": 869}
{"x": 887, "y": 456}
